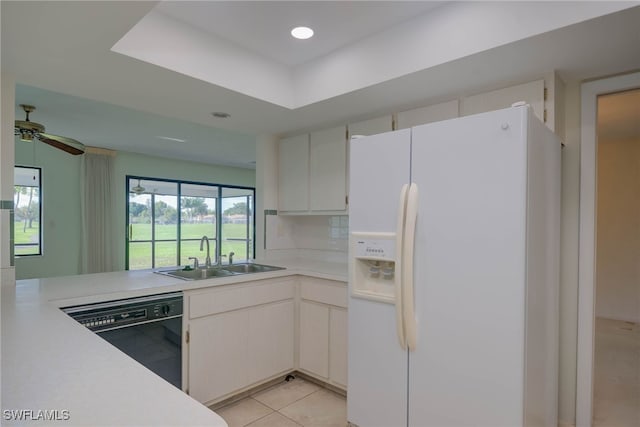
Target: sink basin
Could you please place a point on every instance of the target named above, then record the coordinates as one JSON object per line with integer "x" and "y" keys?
{"x": 250, "y": 268}
{"x": 227, "y": 270}
{"x": 197, "y": 274}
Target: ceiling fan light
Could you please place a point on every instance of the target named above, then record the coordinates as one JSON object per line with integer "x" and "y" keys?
{"x": 138, "y": 189}
{"x": 26, "y": 136}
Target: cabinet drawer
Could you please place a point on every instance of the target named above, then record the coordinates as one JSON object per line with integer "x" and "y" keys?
{"x": 324, "y": 291}
{"x": 233, "y": 297}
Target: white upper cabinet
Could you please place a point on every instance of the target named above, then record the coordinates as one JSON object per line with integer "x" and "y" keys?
{"x": 428, "y": 114}
{"x": 293, "y": 176}
{"x": 371, "y": 127}
{"x": 532, "y": 93}
{"x": 312, "y": 173}
{"x": 327, "y": 171}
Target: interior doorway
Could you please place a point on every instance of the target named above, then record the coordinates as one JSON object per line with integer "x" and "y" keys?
{"x": 616, "y": 368}
{"x": 608, "y": 311}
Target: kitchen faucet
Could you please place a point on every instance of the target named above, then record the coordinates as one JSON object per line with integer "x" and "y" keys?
{"x": 207, "y": 262}
{"x": 231, "y": 254}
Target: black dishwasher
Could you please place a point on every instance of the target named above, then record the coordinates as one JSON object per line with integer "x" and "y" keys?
{"x": 148, "y": 329}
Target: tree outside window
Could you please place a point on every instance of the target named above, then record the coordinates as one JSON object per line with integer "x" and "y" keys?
{"x": 27, "y": 211}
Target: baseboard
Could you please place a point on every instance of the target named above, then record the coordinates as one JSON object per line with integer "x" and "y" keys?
{"x": 263, "y": 386}
{"x": 246, "y": 393}
{"x": 619, "y": 319}
{"x": 321, "y": 383}
{"x": 562, "y": 423}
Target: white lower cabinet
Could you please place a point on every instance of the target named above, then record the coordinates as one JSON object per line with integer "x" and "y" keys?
{"x": 242, "y": 335}
{"x": 239, "y": 335}
{"x": 323, "y": 330}
{"x": 270, "y": 340}
{"x": 338, "y": 346}
{"x": 218, "y": 356}
{"x": 314, "y": 338}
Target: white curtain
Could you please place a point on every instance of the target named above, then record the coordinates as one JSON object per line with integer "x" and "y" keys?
{"x": 96, "y": 197}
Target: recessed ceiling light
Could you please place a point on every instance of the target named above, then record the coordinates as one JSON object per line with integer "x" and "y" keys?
{"x": 168, "y": 138}
{"x": 302, "y": 33}
{"x": 221, "y": 114}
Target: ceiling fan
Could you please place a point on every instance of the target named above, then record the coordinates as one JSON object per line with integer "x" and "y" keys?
{"x": 29, "y": 130}
{"x": 138, "y": 189}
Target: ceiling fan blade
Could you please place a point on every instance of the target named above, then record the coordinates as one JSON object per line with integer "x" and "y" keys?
{"x": 69, "y": 145}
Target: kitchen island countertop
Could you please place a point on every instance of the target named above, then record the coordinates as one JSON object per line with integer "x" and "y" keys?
{"x": 52, "y": 363}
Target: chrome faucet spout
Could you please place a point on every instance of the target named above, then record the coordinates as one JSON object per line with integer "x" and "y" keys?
{"x": 207, "y": 261}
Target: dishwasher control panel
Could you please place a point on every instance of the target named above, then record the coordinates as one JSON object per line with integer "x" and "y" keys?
{"x": 126, "y": 312}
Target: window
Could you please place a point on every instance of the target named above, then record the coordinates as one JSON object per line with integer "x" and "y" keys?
{"x": 167, "y": 220}
{"x": 27, "y": 211}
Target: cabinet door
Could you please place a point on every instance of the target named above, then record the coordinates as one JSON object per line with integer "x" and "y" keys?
{"x": 271, "y": 331}
{"x": 314, "y": 338}
{"x": 338, "y": 346}
{"x": 293, "y": 174}
{"x": 371, "y": 127}
{"x": 428, "y": 114}
{"x": 328, "y": 169}
{"x": 218, "y": 355}
{"x": 531, "y": 93}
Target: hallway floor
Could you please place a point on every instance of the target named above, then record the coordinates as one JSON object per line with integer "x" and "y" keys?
{"x": 616, "y": 396}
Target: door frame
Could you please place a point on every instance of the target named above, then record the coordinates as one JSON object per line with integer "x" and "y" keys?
{"x": 587, "y": 247}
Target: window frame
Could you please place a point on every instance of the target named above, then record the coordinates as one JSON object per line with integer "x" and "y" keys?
{"x": 40, "y": 243}
{"x": 218, "y": 239}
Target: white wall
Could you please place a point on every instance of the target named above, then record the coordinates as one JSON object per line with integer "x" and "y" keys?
{"x": 61, "y": 201}
{"x": 569, "y": 241}
{"x": 618, "y": 230}
{"x": 61, "y": 226}
{"x": 7, "y": 116}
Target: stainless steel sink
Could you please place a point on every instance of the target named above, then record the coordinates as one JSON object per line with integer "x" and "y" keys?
{"x": 197, "y": 274}
{"x": 227, "y": 270}
{"x": 247, "y": 268}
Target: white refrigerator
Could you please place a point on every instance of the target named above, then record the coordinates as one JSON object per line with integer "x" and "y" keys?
{"x": 454, "y": 274}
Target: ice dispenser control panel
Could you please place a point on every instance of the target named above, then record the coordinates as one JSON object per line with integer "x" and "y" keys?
{"x": 381, "y": 249}
{"x": 373, "y": 266}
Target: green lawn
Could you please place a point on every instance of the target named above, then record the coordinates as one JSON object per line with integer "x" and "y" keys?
{"x": 30, "y": 235}
{"x": 166, "y": 252}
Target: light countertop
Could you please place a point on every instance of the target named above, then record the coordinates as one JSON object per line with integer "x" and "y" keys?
{"x": 50, "y": 362}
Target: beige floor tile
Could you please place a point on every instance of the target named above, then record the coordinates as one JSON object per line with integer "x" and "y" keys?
{"x": 243, "y": 412}
{"x": 284, "y": 394}
{"x": 322, "y": 408}
{"x": 616, "y": 397}
{"x": 274, "y": 420}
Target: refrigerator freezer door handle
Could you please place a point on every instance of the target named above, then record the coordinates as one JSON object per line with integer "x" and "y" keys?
{"x": 408, "y": 314}
{"x": 398, "y": 273}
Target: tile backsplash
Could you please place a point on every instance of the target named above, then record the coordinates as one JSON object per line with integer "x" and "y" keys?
{"x": 327, "y": 233}
{"x": 321, "y": 232}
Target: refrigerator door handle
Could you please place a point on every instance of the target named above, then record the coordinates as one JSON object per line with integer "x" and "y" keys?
{"x": 408, "y": 238}
{"x": 398, "y": 267}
